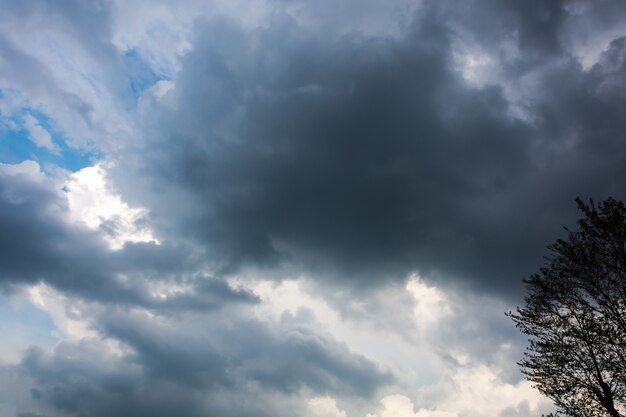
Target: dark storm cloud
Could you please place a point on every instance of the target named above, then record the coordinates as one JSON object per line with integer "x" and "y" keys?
{"x": 37, "y": 245}
{"x": 286, "y": 358}
{"x": 356, "y": 153}
{"x": 352, "y": 157}
{"x": 368, "y": 157}
{"x": 223, "y": 368}
{"x": 535, "y": 28}
{"x": 75, "y": 384}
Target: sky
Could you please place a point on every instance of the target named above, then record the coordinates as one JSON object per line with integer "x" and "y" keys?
{"x": 291, "y": 208}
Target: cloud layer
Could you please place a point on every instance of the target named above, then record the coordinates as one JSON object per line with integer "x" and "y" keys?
{"x": 366, "y": 157}
{"x": 320, "y": 207}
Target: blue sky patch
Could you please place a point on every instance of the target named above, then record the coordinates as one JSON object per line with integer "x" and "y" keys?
{"x": 16, "y": 145}
{"x": 140, "y": 75}
{"x": 23, "y": 324}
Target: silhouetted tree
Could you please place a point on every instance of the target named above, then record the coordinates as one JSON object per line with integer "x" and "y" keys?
{"x": 575, "y": 315}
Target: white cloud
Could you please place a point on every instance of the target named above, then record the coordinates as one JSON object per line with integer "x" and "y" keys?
{"x": 73, "y": 320}
{"x": 62, "y": 71}
{"x": 473, "y": 384}
{"x": 431, "y": 304}
{"x": 38, "y": 135}
{"x": 475, "y": 65}
{"x": 28, "y": 169}
{"x": 67, "y": 316}
{"x": 471, "y": 391}
{"x": 161, "y": 88}
{"x": 94, "y": 203}
{"x": 380, "y": 329}
{"x": 478, "y": 390}
{"x": 401, "y": 406}
{"x": 154, "y": 95}
{"x": 324, "y": 407}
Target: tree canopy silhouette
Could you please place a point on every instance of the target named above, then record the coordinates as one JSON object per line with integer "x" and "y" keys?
{"x": 575, "y": 316}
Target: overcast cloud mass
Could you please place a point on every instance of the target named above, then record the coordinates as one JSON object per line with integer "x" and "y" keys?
{"x": 291, "y": 208}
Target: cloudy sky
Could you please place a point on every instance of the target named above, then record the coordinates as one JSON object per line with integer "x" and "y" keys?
{"x": 291, "y": 208}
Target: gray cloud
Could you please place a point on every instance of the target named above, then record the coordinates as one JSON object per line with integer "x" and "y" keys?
{"x": 172, "y": 369}
{"x": 185, "y": 358}
{"x": 367, "y": 157}
{"x": 336, "y": 154}
{"x": 39, "y": 246}
{"x": 353, "y": 157}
